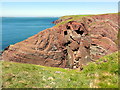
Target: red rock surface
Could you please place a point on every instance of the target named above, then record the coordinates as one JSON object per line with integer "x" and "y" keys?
{"x": 69, "y": 45}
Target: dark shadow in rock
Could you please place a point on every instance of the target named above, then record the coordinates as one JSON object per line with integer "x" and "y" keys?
{"x": 93, "y": 44}
{"x": 76, "y": 49}
{"x": 87, "y": 47}
{"x": 68, "y": 27}
{"x": 67, "y": 43}
{"x": 79, "y": 32}
{"x": 7, "y": 48}
{"x": 65, "y": 32}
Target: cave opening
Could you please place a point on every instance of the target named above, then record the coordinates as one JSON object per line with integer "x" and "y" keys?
{"x": 79, "y": 32}
{"x": 68, "y": 27}
{"x": 65, "y": 32}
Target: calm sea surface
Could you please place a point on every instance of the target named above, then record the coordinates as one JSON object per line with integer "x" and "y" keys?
{"x": 16, "y": 29}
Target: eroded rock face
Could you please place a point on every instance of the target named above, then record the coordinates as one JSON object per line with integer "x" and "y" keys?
{"x": 69, "y": 45}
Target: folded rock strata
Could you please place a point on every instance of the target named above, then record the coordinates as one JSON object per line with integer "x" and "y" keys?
{"x": 68, "y": 45}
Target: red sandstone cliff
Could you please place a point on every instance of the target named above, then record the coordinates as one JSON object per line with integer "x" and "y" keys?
{"x": 68, "y": 45}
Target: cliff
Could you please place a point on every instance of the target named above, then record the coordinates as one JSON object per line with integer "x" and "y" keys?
{"x": 74, "y": 41}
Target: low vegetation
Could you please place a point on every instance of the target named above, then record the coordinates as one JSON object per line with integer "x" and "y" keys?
{"x": 75, "y": 18}
{"x": 70, "y": 18}
{"x": 100, "y": 74}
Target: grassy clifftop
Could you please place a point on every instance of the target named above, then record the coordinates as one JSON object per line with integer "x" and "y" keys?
{"x": 101, "y": 74}
{"x": 68, "y": 18}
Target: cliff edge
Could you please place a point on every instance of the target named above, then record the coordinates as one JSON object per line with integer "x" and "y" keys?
{"x": 74, "y": 41}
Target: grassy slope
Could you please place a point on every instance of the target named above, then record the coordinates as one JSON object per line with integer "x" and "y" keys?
{"x": 101, "y": 74}
{"x": 75, "y": 18}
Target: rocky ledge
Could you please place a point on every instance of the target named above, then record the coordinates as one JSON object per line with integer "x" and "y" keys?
{"x": 68, "y": 45}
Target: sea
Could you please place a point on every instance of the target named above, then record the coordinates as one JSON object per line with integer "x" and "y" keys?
{"x": 16, "y": 29}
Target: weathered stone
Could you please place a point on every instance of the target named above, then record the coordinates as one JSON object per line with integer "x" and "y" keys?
{"x": 71, "y": 45}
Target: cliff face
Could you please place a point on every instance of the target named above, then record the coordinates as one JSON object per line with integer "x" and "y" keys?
{"x": 71, "y": 44}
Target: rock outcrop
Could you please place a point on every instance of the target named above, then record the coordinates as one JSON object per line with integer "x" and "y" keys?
{"x": 69, "y": 45}
{"x": 61, "y": 20}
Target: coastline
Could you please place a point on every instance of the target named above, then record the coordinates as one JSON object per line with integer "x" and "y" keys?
{"x": 27, "y": 27}
{"x": 74, "y": 38}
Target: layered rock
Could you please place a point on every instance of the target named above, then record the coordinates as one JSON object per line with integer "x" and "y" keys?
{"x": 71, "y": 45}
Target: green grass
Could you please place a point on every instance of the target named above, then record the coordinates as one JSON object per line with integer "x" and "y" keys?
{"x": 74, "y": 18}
{"x": 95, "y": 75}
